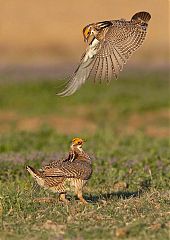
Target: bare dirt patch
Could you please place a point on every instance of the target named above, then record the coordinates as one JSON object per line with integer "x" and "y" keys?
{"x": 7, "y": 116}
{"x": 69, "y": 125}
{"x": 7, "y": 120}
{"x": 61, "y": 124}
{"x": 154, "y": 124}
{"x": 150, "y": 122}
{"x": 158, "y": 132}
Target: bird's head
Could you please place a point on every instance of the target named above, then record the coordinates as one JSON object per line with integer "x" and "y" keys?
{"x": 94, "y": 28}
{"x": 89, "y": 31}
{"x": 77, "y": 143}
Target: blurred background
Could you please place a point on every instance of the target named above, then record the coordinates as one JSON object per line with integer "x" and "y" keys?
{"x": 45, "y": 37}
{"x": 42, "y": 40}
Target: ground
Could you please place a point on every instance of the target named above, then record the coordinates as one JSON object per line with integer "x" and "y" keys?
{"x": 126, "y": 125}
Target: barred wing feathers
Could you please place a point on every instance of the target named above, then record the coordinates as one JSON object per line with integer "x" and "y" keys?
{"x": 70, "y": 170}
{"x": 83, "y": 71}
{"x": 104, "y": 59}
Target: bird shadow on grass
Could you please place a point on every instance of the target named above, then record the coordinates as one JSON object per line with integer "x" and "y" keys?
{"x": 144, "y": 187}
{"x": 113, "y": 195}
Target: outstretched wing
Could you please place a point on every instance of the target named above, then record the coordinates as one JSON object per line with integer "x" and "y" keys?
{"x": 122, "y": 39}
{"x": 104, "y": 59}
{"x": 83, "y": 71}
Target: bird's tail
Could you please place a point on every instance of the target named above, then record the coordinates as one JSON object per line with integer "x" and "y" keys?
{"x": 36, "y": 175}
{"x": 142, "y": 16}
{"x": 32, "y": 171}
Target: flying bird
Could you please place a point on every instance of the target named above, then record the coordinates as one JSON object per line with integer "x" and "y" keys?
{"x": 110, "y": 44}
{"x": 70, "y": 173}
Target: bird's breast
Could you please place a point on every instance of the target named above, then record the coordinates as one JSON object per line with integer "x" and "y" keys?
{"x": 73, "y": 183}
{"x": 91, "y": 50}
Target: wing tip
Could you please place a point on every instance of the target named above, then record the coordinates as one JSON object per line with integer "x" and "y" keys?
{"x": 144, "y": 16}
{"x": 64, "y": 94}
{"x": 60, "y": 94}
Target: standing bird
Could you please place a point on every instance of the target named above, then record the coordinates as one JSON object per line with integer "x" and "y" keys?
{"x": 111, "y": 43}
{"x": 61, "y": 176}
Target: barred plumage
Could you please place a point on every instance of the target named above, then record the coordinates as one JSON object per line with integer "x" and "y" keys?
{"x": 61, "y": 176}
{"x": 112, "y": 43}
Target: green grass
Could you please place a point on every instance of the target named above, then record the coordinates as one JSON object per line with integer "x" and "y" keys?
{"x": 133, "y": 93}
{"x": 139, "y": 158}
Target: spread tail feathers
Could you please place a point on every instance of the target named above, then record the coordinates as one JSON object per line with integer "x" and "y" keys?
{"x": 144, "y": 16}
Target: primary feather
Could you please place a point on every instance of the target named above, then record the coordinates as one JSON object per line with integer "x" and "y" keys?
{"x": 112, "y": 44}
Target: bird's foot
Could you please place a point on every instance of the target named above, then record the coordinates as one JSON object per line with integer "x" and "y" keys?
{"x": 63, "y": 198}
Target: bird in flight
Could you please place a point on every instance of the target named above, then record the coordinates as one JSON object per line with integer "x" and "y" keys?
{"x": 110, "y": 44}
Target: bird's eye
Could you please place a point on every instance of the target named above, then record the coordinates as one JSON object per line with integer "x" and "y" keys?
{"x": 87, "y": 31}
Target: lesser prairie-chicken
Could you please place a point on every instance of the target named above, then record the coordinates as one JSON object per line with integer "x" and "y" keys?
{"x": 110, "y": 44}
{"x": 71, "y": 173}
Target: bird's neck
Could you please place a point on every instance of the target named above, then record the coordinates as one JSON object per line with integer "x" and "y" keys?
{"x": 79, "y": 154}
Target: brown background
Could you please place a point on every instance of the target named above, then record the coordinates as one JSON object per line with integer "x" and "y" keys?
{"x": 47, "y": 32}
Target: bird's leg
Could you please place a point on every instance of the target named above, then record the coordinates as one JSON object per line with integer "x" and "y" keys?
{"x": 80, "y": 196}
{"x": 62, "y": 198}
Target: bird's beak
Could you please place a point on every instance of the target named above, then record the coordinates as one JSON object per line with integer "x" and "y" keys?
{"x": 86, "y": 39}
